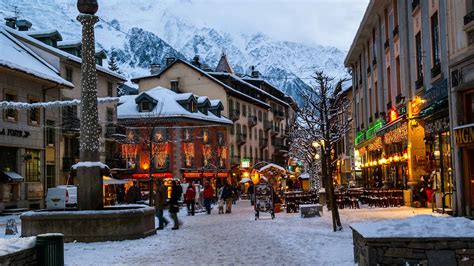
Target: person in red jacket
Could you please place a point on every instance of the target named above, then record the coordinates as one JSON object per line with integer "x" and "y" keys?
{"x": 208, "y": 194}
{"x": 190, "y": 198}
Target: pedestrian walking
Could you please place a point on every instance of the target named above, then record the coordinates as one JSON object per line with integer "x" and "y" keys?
{"x": 176, "y": 192}
{"x": 160, "y": 203}
{"x": 208, "y": 194}
{"x": 250, "y": 192}
{"x": 190, "y": 198}
{"x": 227, "y": 196}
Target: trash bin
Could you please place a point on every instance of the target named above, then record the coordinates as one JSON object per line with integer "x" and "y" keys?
{"x": 50, "y": 249}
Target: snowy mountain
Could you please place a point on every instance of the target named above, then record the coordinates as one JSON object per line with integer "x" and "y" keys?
{"x": 144, "y": 32}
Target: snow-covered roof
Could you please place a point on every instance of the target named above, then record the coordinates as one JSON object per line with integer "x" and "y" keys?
{"x": 70, "y": 43}
{"x": 250, "y": 85}
{"x": 58, "y": 52}
{"x": 202, "y": 99}
{"x": 215, "y": 103}
{"x": 167, "y": 107}
{"x": 15, "y": 55}
{"x": 228, "y": 88}
{"x": 44, "y": 33}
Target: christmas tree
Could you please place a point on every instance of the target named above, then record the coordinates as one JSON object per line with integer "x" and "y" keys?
{"x": 113, "y": 61}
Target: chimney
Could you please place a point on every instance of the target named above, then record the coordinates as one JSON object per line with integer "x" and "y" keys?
{"x": 10, "y": 22}
{"x": 196, "y": 61}
{"x": 170, "y": 60}
{"x": 155, "y": 68}
{"x": 254, "y": 74}
{"x": 23, "y": 25}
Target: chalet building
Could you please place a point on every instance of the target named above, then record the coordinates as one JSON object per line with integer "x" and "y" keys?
{"x": 173, "y": 135}
{"x": 69, "y": 67}
{"x": 399, "y": 63}
{"x": 260, "y": 112}
{"x": 29, "y": 139}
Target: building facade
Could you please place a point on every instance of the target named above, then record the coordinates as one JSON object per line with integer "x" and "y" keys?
{"x": 400, "y": 70}
{"x": 173, "y": 135}
{"x": 29, "y": 140}
{"x": 69, "y": 67}
{"x": 260, "y": 112}
{"x": 460, "y": 17}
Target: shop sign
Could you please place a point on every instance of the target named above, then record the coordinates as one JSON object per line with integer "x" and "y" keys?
{"x": 245, "y": 163}
{"x": 436, "y": 126}
{"x": 397, "y": 135}
{"x": 464, "y": 135}
{"x": 14, "y": 133}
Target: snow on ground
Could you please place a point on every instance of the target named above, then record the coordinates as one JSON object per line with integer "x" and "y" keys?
{"x": 238, "y": 239}
{"x": 8, "y": 246}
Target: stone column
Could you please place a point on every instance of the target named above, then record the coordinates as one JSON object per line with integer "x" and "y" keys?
{"x": 90, "y": 180}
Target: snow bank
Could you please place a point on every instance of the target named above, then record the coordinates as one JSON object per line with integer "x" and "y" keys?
{"x": 425, "y": 226}
{"x": 89, "y": 164}
{"x": 8, "y": 246}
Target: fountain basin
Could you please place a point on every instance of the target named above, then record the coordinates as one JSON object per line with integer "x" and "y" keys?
{"x": 109, "y": 224}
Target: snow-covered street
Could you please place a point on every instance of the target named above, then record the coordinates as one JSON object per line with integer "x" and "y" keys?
{"x": 238, "y": 239}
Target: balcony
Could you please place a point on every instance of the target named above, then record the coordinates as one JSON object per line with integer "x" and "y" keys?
{"x": 436, "y": 70}
{"x": 234, "y": 114}
{"x": 275, "y": 131}
{"x": 415, "y": 4}
{"x": 114, "y": 131}
{"x": 395, "y": 31}
{"x": 241, "y": 139}
{"x": 263, "y": 143}
{"x": 267, "y": 125}
{"x": 286, "y": 132}
{"x": 278, "y": 144}
{"x": 419, "y": 83}
{"x": 468, "y": 18}
{"x": 279, "y": 114}
{"x": 71, "y": 125}
{"x": 252, "y": 121}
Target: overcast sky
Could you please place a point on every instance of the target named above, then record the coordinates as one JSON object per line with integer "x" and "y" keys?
{"x": 325, "y": 22}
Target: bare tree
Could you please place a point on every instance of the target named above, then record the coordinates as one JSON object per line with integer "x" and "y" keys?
{"x": 319, "y": 126}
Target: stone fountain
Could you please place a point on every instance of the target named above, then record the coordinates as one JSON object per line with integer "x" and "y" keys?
{"x": 91, "y": 222}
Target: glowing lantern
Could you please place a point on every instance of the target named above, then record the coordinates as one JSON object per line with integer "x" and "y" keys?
{"x": 393, "y": 115}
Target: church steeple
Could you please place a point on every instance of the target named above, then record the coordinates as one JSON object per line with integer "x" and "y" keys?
{"x": 223, "y": 65}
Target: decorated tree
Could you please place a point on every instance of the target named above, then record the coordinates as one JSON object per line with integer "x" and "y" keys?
{"x": 318, "y": 127}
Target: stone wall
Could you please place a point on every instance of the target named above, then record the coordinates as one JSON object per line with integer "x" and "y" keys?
{"x": 413, "y": 251}
{"x": 22, "y": 257}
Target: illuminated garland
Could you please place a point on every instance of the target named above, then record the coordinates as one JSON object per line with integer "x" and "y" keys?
{"x": 206, "y": 154}
{"x": 161, "y": 154}
{"x": 188, "y": 153}
{"x": 376, "y": 144}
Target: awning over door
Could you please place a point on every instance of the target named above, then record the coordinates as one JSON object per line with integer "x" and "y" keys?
{"x": 10, "y": 177}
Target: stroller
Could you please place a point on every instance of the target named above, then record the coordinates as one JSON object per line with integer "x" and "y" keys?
{"x": 263, "y": 198}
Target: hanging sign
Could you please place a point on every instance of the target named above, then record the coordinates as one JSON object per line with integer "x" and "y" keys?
{"x": 14, "y": 133}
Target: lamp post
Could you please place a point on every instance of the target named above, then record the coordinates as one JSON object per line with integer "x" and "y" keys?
{"x": 90, "y": 195}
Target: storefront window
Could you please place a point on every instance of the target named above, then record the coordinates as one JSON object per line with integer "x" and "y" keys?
{"x": 33, "y": 165}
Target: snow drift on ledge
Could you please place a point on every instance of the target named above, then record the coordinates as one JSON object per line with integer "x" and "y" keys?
{"x": 419, "y": 226}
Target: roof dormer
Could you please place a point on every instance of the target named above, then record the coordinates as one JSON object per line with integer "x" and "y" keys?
{"x": 216, "y": 108}
{"x": 188, "y": 102}
{"x": 145, "y": 103}
{"x": 204, "y": 104}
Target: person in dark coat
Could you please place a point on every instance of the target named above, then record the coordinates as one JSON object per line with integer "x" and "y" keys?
{"x": 190, "y": 198}
{"x": 250, "y": 192}
{"x": 160, "y": 203}
{"x": 208, "y": 194}
{"x": 176, "y": 192}
{"x": 120, "y": 194}
{"x": 227, "y": 196}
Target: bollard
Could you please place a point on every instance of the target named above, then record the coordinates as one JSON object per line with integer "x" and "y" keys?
{"x": 50, "y": 249}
